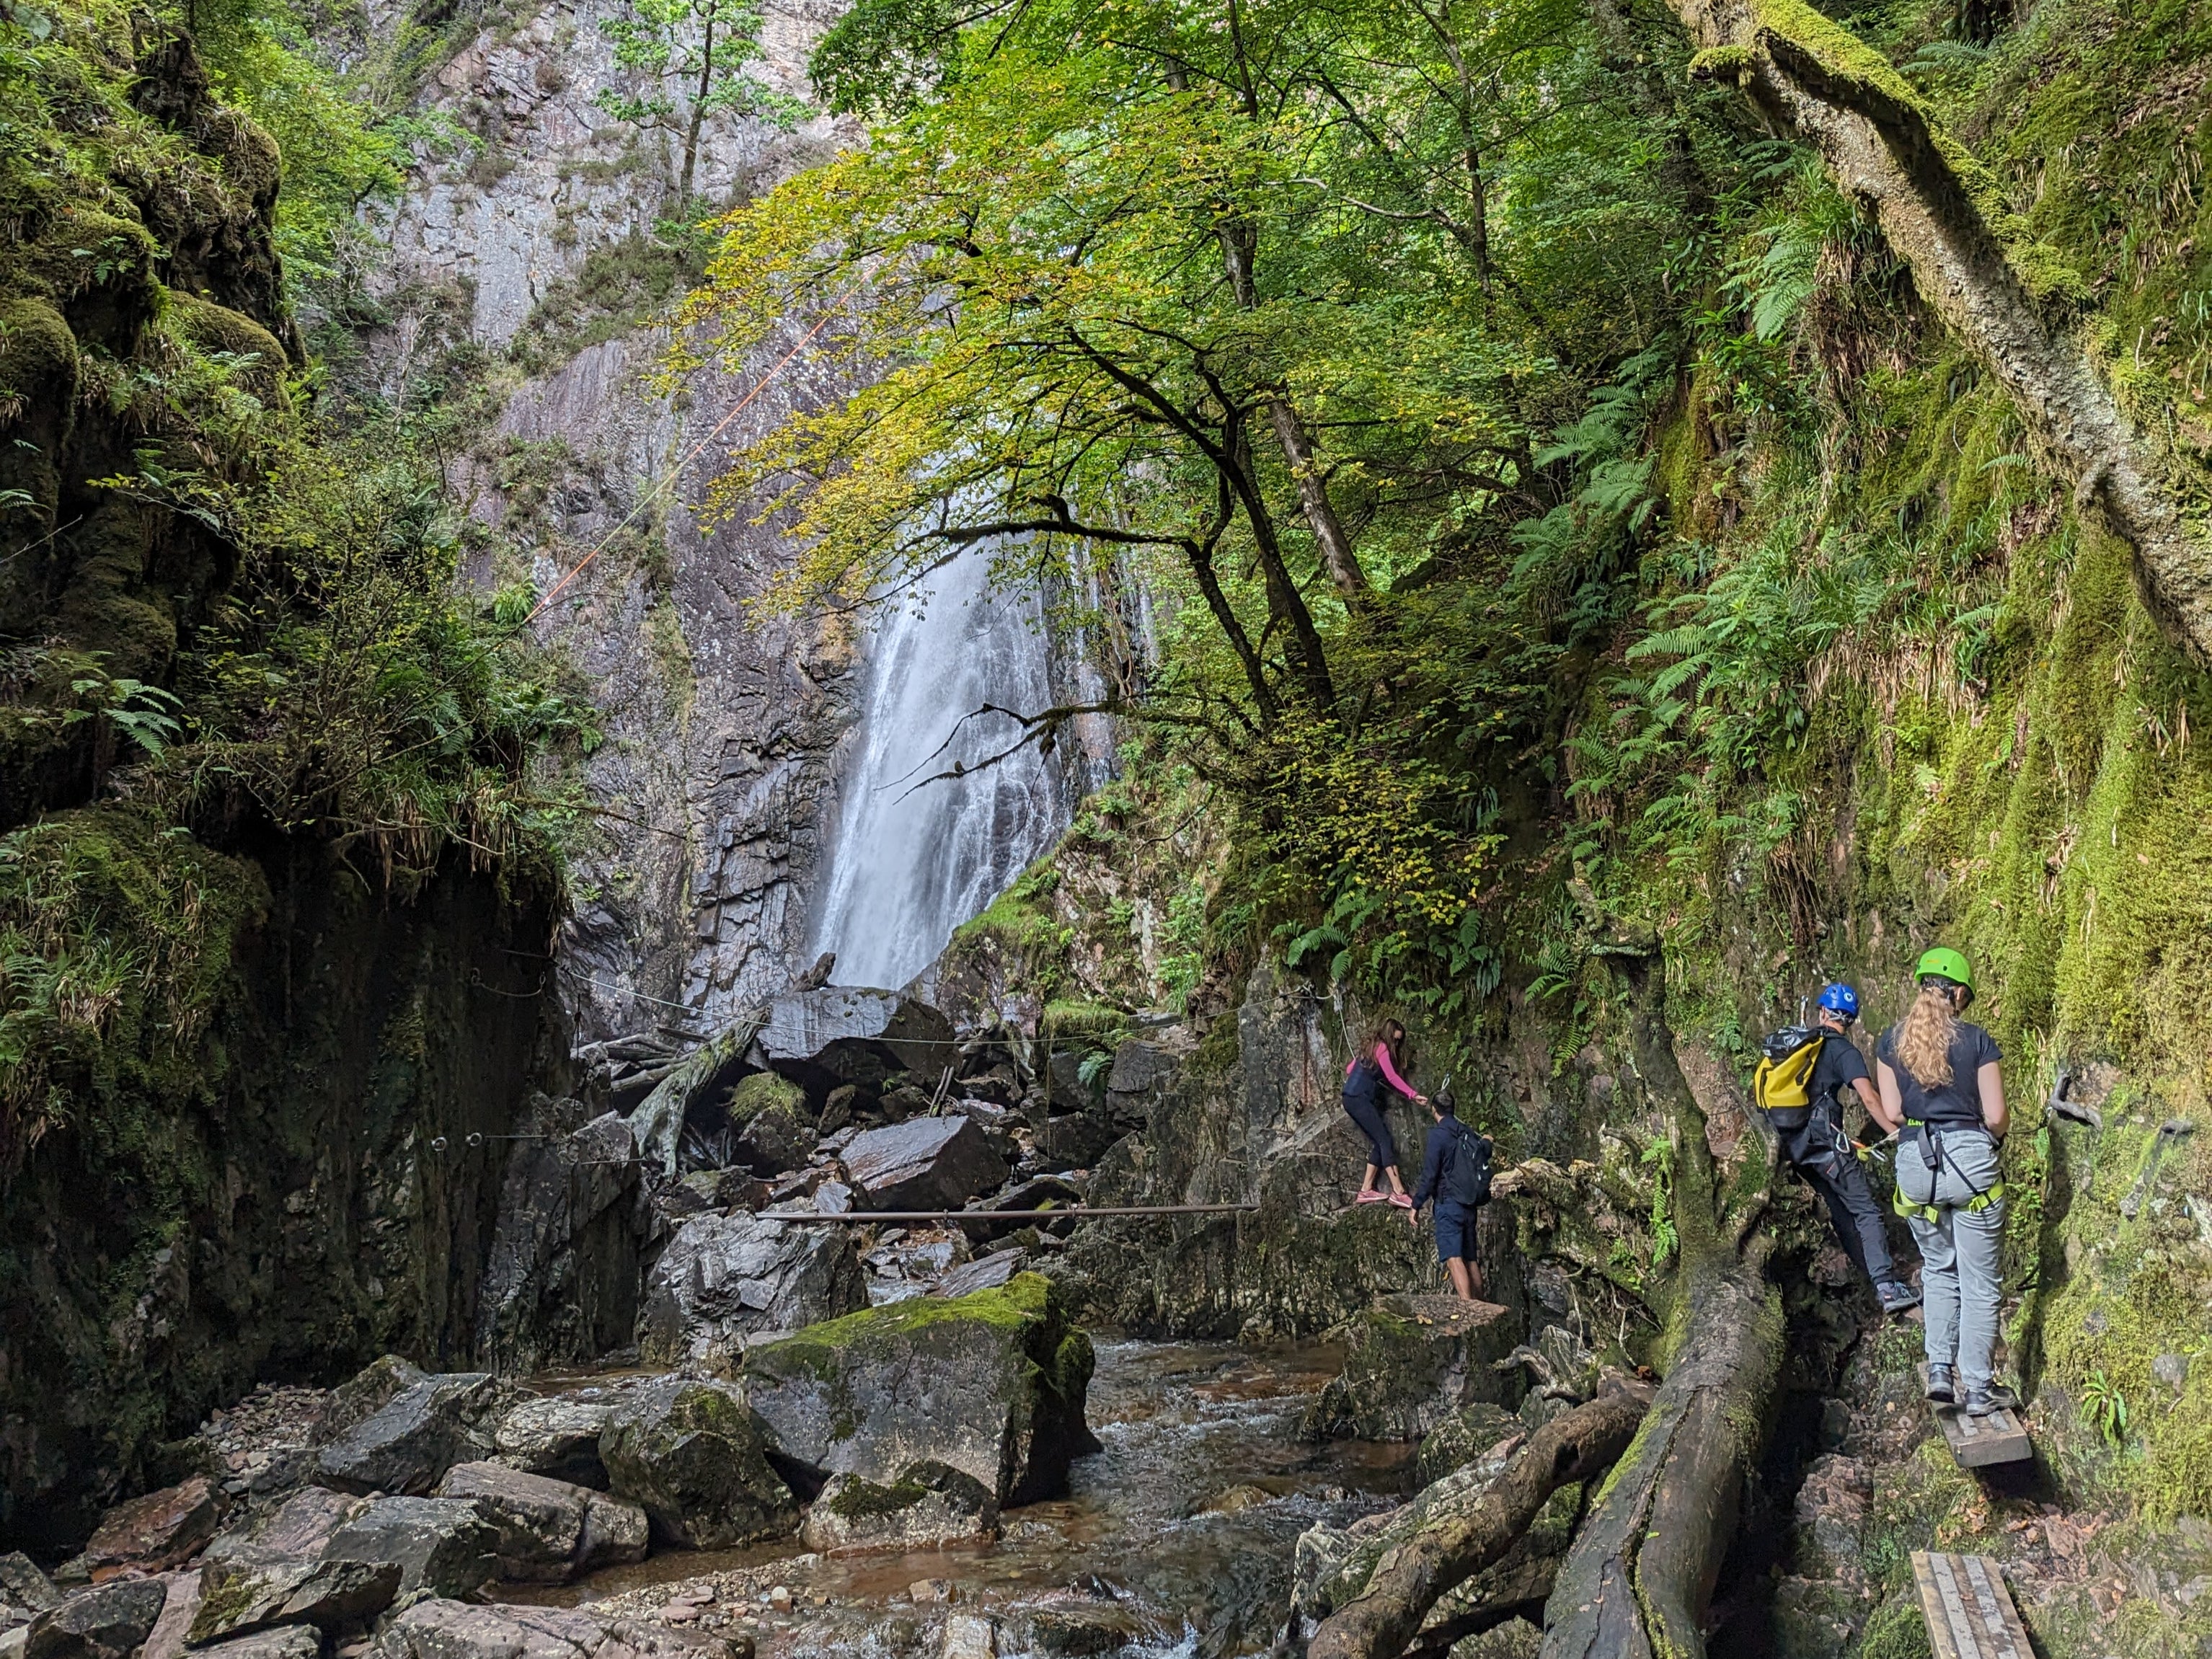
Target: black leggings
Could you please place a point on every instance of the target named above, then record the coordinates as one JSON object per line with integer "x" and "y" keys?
{"x": 1369, "y": 1117}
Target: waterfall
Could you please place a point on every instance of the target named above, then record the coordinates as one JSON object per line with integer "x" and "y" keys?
{"x": 913, "y": 860}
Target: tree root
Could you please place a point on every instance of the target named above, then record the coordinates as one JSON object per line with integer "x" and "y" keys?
{"x": 1406, "y": 1582}
{"x": 1814, "y": 81}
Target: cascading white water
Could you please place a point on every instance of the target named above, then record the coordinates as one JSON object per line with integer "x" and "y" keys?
{"x": 913, "y": 860}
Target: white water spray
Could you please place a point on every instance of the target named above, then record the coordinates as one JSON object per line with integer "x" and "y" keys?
{"x": 913, "y": 860}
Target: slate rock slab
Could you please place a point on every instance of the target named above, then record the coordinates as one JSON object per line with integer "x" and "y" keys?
{"x": 555, "y": 1436}
{"x": 296, "y": 1529}
{"x": 152, "y": 1533}
{"x": 550, "y": 1531}
{"x": 925, "y": 1164}
{"x": 929, "y": 1506}
{"x": 104, "y": 1622}
{"x": 693, "y": 1455}
{"x": 725, "y": 1277}
{"x": 407, "y": 1444}
{"x": 455, "y": 1630}
{"x": 1411, "y": 1361}
{"x": 278, "y": 1642}
{"x": 991, "y": 1383}
{"x": 442, "y": 1545}
{"x": 238, "y": 1596}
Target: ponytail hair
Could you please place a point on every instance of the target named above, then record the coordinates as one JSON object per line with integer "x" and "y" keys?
{"x": 1924, "y": 1041}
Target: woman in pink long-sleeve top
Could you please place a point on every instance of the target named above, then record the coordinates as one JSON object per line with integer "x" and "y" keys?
{"x": 1364, "y": 1080}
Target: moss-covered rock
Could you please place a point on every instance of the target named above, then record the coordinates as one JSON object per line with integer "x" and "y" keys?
{"x": 691, "y": 1453}
{"x": 1412, "y": 1362}
{"x": 992, "y": 1384}
{"x": 929, "y": 1506}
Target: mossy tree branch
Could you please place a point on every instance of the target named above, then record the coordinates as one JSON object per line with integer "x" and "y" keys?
{"x": 1814, "y": 81}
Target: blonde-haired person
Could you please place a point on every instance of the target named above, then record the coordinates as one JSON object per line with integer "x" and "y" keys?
{"x": 1938, "y": 1074}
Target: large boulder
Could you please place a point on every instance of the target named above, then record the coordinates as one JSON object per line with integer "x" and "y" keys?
{"x": 823, "y": 1038}
{"x": 691, "y": 1452}
{"x": 237, "y": 1597}
{"x": 723, "y": 1278}
{"x": 24, "y": 1588}
{"x": 931, "y": 1506}
{"x": 442, "y": 1545}
{"x": 104, "y": 1622}
{"x": 555, "y": 1435}
{"x": 298, "y": 1529}
{"x": 1411, "y": 1361}
{"x": 772, "y": 1128}
{"x": 277, "y": 1642}
{"x": 561, "y": 1283}
{"x": 991, "y": 1383}
{"x": 549, "y": 1530}
{"x": 454, "y": 1630}
{"x": 406, "y": 1444}
{"x": 154, "y": 1532}
{"x": 925, "y": 1164}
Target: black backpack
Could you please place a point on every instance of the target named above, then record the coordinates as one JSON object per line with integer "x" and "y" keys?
{"x": 1467, "y": 1177}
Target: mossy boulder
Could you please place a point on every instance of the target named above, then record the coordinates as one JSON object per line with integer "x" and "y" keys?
{"x": 992, "y": 1384}
{"x": 774, "y": 1125}
{"x": 1410, "y": 1363}
{"x": 693, "y": 1455}
{"x": 930, "y": 1505}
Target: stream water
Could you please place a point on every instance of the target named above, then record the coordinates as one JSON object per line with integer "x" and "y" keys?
{"x": 915, "y": 858}
{"x": 1174, "y": 1542}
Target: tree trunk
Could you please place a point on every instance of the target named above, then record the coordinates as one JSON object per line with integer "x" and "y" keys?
{"x": 1814, "y": 81}
{"x": 1637, "y": 1581}
{"x": 1407, "y": 1581}
{"x": 698, "y": 112}
{"x": 1638, "y": 1578}
{"x": 1336, "y": 555}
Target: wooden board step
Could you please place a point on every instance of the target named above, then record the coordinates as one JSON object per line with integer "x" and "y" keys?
{"x": 1980, "y": 1442}
{"x": 1968, "y": 1608}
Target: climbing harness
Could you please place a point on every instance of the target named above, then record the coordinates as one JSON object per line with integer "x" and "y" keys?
{"x": 1931, "y": 1137}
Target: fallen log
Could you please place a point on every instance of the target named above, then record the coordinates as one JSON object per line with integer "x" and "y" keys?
{"x": 1407, "y": 1581}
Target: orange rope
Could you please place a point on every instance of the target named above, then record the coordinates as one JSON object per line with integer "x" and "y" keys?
{"x": 677, "y": 471}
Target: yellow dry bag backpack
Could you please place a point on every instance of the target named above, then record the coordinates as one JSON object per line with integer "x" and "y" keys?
{"x": 1783, "y": 1081}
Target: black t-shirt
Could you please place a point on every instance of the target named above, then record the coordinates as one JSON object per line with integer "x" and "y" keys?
{"x": 1840, "y": 1065}
{"x": 1959, "y": 1101}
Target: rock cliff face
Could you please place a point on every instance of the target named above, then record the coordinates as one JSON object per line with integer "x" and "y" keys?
{"x": 529, "y": 263}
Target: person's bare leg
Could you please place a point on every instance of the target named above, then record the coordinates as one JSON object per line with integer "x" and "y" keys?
{"x": 1367, "y": 1180}
{"x": 1460, "y": 1287}
{"x": 1396, "y": 1184}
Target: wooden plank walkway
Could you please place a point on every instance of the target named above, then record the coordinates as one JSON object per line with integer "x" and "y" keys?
{"x": 1968, "y": 1608}
{"x": 1981, "y": 1442}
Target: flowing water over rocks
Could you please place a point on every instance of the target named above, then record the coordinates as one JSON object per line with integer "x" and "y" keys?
{"x": 914, "y": 859}
{"x": 1175, "y": 1540}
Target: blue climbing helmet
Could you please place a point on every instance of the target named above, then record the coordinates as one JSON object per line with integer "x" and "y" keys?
{"x": 1841, "y": 1000}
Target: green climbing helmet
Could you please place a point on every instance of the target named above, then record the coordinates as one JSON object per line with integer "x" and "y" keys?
{"x": 1944, "y": 962}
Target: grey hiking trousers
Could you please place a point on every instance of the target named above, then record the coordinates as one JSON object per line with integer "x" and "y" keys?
{"x": 1959, "y": 1248}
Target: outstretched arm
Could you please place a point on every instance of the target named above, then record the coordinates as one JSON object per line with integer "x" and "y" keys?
{"x": 1390, "y": 1074}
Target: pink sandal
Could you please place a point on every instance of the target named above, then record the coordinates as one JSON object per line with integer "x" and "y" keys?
{"x": 1370, "y": 1195}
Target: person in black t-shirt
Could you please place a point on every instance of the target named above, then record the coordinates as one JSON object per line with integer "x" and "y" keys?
{"x": 1940, "y": 1075}
{"x": 1815, "y": 1142}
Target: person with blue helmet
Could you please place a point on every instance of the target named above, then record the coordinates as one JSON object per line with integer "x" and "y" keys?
{"x": 1813, "y": 1140}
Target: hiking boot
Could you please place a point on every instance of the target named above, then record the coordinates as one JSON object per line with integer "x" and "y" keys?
{"x": 1896, "y": 1295}
{"x": 1942, "y": 1386}
{"x": 1986, "y": 1402}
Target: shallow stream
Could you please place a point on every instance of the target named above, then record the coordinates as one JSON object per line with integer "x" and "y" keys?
{"x": 1174, "y": 1542}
